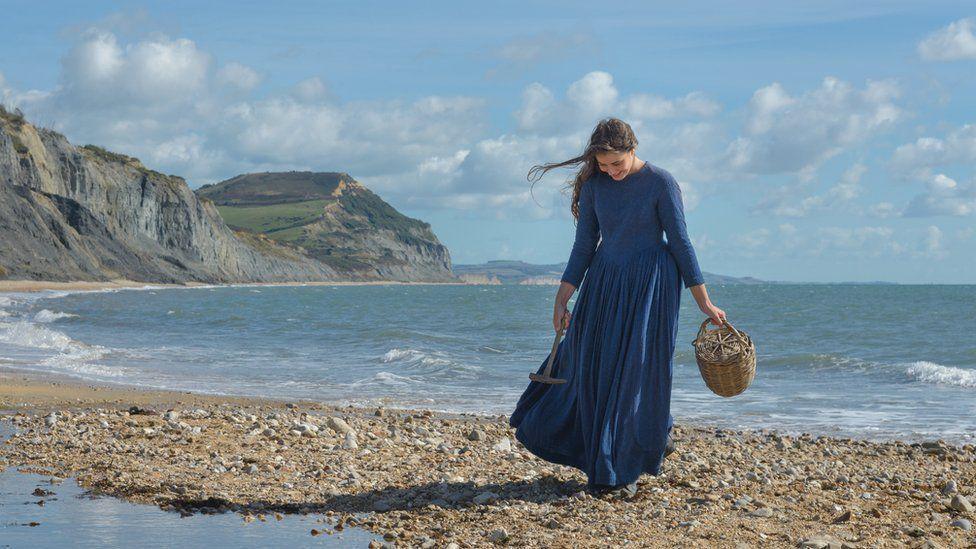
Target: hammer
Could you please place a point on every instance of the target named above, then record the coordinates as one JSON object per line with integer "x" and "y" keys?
{"x": 544, "y": 378}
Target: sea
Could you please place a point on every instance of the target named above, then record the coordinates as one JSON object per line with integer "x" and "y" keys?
{"x": 874, "y": 361}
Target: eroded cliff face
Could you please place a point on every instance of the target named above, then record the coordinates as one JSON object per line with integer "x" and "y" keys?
{"x": 83, "y": 213}
{"x": 336, "y": 220}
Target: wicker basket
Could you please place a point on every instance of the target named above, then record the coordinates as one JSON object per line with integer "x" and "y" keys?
{"x": 726, "y": 358}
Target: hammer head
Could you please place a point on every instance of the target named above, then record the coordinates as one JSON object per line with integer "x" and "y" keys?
{"x": 546, "y": 379}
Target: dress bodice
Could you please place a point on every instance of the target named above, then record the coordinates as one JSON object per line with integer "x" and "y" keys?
{"x": 628, "y": 216}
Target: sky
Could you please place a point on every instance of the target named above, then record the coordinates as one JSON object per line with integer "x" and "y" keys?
{"x": 813, "y": 141}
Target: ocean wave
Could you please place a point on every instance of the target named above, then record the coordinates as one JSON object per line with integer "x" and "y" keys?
{"x": 433, "y": 364}
{"x": 27, "y": 334}
{"x": 930, "y": 372}
{"x": 67, "y": 355}
{"x": 46, "y": 315}
{"x": 386, "y": 378}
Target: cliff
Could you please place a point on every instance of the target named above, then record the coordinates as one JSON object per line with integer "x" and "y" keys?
{"x": 336, "y": 220}
{"x": 83, "y": 213}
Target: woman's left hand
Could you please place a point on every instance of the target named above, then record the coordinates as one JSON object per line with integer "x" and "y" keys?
{"x": 717, "y": 315}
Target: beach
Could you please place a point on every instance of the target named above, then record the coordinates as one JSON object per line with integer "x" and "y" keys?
{"x": 420, "y": 478}
{"x": 88, "y": 286}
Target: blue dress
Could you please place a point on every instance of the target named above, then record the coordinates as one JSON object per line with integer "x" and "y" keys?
{"x": 612, "y": 417}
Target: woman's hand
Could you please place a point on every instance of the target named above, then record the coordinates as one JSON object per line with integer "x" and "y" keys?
{"x": 560, "y": 316}
{"x": 717, "y": 315}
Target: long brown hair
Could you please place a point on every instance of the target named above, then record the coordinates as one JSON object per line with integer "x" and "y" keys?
{"x": 609, "y": 135}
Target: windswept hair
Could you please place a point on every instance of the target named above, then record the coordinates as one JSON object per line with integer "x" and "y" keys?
{"x": 609, "y": 135}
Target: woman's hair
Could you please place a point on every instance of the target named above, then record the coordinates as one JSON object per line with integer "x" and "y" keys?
{"x": 609, "y": 135}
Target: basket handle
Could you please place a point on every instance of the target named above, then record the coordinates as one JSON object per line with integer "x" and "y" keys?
{"x": 725, "y": 321}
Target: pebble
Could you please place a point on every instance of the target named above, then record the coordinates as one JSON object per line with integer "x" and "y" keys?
{"x": 962, "y": 524}
{"x": 350, "y": 443}
{"x": 485, "y": 497}
{"x": 960, "y": 503}
{"x": 427, "y": 498}
{"x": 822, "y": 541}
{"x": 498, "y": 535}
{"x": 505, "y": 445}
{"x": 339, "y": 425}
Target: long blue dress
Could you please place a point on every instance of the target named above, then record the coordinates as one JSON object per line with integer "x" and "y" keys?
{"x": 612, "y": 417}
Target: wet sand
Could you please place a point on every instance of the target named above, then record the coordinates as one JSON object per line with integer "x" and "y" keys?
{"x": 429, "y": 479}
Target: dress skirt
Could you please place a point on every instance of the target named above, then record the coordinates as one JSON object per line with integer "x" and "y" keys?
{"x": 612, "y": 417}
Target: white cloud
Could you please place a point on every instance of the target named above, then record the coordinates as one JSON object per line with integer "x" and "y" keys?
{"x": 953, "y": 42}
{"x": 752, "y": 240}
{"x": 310, "y": 90}
{"x": 162, "y": 100}
{"x": 916, "y": 160}
{"x": 785, "y": 201}
{"x": 882, "y": 210}
{"x": 655, "y": 107}
{"x": 238, "y": 77}
{"x": 595, "y": 96}
{"x": 787, "y": 134}
{"x": 870, "y": 240}
{"x": 931, "y": 244}
{"x": 538, "y": 106}
{"x": 943, "y": 196}
{"x": 99, "y": 72}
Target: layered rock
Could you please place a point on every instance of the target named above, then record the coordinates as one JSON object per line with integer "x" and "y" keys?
{"x": 84, "y": 213}
{"x": 336, "y": 220}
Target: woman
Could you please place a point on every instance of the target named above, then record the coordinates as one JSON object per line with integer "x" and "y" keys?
{"x": 612, "y": 418}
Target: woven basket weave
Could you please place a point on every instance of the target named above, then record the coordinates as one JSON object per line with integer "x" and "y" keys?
{"x": 726, "y": 358}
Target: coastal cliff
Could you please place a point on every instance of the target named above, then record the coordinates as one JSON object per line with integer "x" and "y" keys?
{"x": 336, "y": 220}
{"x": 71, "y": 213}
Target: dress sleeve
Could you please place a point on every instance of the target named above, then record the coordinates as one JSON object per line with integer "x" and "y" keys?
{"x": 671, "y": 211}
{"x": 587, "y": 235}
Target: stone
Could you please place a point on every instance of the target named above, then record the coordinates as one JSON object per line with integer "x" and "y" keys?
{"x": 350, "y": 442}
{"x": 484, "y": 498}
{"x": 339, "y": 425}
{"x": 476, "y": 434}
{"x": 505, "y": 445}
{"x": 821, "y": 541}
{"x": 762, "y": 512}
{"x": 949, "y": 488}
{"x": 498, "y": 535}
{"x": 962, "y": 524}
{"x": 960, "y": 503}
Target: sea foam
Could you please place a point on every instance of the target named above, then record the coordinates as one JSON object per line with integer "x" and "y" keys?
{"x": 45, "y": 315}
{"x": 930, "y": 372}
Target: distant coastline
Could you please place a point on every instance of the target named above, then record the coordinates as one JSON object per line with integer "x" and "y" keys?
{"x": 27, "y": 286}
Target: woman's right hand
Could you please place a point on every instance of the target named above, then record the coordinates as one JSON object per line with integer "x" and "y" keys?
{"x": 560, "y": 316}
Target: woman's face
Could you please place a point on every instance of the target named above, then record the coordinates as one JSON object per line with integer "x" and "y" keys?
{"x": 616, "y": 165}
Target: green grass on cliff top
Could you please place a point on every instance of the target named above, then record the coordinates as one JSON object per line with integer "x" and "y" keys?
{"x": 278, "y": 221}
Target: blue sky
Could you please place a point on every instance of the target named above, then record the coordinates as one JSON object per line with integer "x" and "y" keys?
{"x": 813, "y": 142}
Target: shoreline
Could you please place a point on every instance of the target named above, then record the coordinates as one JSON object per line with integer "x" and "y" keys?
{"x": 34, "y": 390}
{"x": 422, "y": 478}
{"x": 30, "y": 286}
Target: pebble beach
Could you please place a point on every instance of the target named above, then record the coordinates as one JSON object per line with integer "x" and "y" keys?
{"x": 417, "y": 478}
